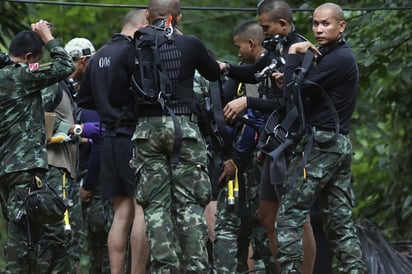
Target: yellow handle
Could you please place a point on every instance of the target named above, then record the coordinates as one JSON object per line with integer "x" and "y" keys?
{"x": 56, "y": 139}
{"x": 230, "y": 193}
{"x": 236, "y": 181}
{"x": 67, "y": 227}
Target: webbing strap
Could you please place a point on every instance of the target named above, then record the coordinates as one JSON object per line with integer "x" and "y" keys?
{"x": 275, "y": 164}
{"x": 177, "y": 141}
{"x": 217, "y": 108}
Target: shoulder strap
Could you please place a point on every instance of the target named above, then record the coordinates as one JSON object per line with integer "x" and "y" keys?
{"x": 150, "y": 78}
{"x": 219, "y": 125}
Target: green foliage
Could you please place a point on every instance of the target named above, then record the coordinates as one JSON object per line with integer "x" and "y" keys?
{"x": 13, "y": 19}
{"x": 382, "y": 44}
{"x": 97, "y": 24}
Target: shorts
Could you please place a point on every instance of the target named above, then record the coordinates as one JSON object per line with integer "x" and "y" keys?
{"x": 268, "y": 191}
{"x": 118, "y": 178}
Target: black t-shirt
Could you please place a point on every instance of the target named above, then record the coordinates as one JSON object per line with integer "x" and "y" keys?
{"x": 246, "y": 74}
{"x": 337, "y": 73}
{"x": 181, "y": 58}
{"x": 105, "y": 86}
{"x": 107, "y": 80}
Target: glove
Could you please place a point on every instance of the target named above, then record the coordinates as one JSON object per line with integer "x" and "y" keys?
{"x": 91, "y": 130}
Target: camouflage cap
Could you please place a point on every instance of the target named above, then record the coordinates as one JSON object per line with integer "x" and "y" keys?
{"x": 79, "y": 47}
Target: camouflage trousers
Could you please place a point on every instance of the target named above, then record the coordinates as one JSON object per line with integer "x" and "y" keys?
{"x": 21, "y": 247}
{"x": 60, "y": 249}
{"x": 327, "y": 176}
{"x": 235, "y": 228}
{"x": 173, "y": 199}
{"x": 98, "y": 217}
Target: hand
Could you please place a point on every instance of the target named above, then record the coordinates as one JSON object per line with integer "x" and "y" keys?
{"x": 278, "y": 76}
{"x": 91, "y": 130}
{"x": 234, "y": 108}
{"x": 302, "y": 47}
{"x": 228, "y": 172}
{"x": 85, "y": 195}
{"x": 222, "y": 65}
{"x": 42, "y": 28}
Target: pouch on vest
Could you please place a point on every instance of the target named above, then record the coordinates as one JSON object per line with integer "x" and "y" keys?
{"x": 43, "y": 205}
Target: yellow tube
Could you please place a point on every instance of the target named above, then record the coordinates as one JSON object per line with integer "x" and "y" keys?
{"x": 230, "y": 194}
{"x": 67, "y": 227}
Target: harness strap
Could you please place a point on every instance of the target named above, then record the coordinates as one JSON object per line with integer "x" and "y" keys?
{"x": 280, "y": 138}
{"x": 177, "y": 141}
{"x": 220, "y": 130}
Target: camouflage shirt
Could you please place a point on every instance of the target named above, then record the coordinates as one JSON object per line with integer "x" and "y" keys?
{"x": 22, "y": 134}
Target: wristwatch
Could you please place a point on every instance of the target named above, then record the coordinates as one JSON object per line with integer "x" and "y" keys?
{"x": 77, "y": 130}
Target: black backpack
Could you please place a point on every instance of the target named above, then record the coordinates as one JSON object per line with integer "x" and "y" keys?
{"x": 150, "y": 82}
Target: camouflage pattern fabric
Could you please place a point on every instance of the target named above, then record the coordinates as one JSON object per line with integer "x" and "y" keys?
{"x": 258, "y": 236}
{"x": 98, "y": 217}
{"x": 20, "y": 256}
{"x": 60, "y": 250}
{"x": 22, "y": 135}
{"x": 77, "y": 237}
{"x": 225, "y": 247}
{"x": 23, "y": 143}
{"x": 173, "y": 200}
{"x": 328, "y": 178}
{"x": 229, "y": 257}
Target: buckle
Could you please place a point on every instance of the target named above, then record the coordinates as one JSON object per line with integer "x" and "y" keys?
{"x": 280, "y": 133}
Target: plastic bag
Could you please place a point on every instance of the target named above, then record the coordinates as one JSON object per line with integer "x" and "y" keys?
{"x": 380, "y": 256}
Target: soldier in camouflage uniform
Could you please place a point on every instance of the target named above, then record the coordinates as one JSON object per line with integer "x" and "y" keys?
{"x": 174, "y": 196}
{"x": 237, "y": 225}
{"x": 62, "y": 243}
{"x": 327, "y": 174}
{"x": 276, "y": 19}
{"x": 22, "y": 135}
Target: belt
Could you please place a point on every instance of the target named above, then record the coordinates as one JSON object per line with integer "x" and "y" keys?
{"x": 156, "y": 110}
{"x": 343, "y": 132}
{"x": 163, "y": 118}
{"x": 122, "y": 124}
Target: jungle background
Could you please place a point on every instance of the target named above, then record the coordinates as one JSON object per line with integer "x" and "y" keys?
{"x": 380, "y": 33}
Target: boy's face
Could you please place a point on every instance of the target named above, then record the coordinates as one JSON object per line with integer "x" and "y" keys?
{"x": 244, "y": 49}
{"x": 270, "y": 28}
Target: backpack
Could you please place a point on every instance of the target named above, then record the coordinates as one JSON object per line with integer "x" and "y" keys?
{"x": 149, "y": 80}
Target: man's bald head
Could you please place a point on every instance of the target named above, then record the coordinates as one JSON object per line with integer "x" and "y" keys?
{"x": 334, "y": 8}
{"x": 159, "y": 9}
{"x": 134, "y": 20}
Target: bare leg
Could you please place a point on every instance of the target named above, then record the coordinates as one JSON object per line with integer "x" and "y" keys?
{"x": 250, "y": 261}
{"x": 139, "y": 244}
{"x": 210, "y": 216}
{"x": 309, "y": 248}
{"x": 118, "y": 234}
{"x": 267, "y": 217}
